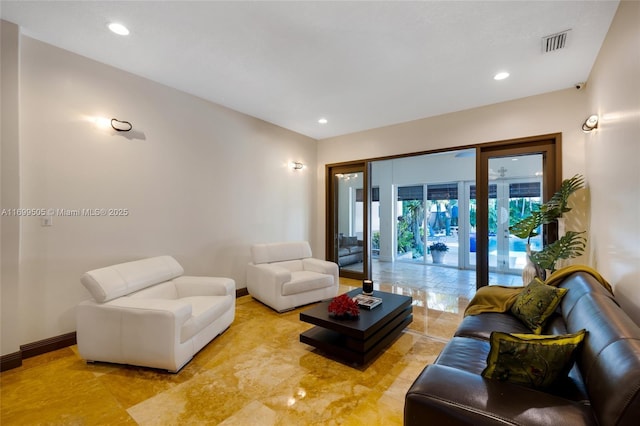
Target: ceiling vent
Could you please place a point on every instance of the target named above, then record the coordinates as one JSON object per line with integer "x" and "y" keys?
{"x": 554, "y": 42}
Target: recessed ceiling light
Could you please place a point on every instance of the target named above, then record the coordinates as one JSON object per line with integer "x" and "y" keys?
{"x": 501, "y": 75}
{"x": 323, "y": 121}
{"x": 118, "y": 28}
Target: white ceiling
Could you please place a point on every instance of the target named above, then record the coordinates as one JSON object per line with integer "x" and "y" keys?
{"x": 359, "y": 64}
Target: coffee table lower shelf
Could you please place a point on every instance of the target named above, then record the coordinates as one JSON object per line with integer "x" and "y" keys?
{"x": 354, "y": 350}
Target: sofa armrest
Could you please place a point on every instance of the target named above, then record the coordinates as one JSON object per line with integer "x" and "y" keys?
{"x": 132, "y": 331}
{"x": 267, "y": 274}
{"x": 188, "y": 286}
{"x": 446, "y": 395}
{"x": 175, "y": 309}
{"x": 323, "y": 267}
{"x": 265, "y": 281}
{"x": 319, "y": 265}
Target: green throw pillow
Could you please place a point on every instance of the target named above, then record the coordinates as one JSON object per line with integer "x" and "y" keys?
{"x": 530, "y": 359}
{"x": 536, "y": 303}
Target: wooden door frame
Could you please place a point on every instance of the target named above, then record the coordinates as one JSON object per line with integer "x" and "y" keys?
{"x": 550, "y": 146}
{"x": 331, "y": 216}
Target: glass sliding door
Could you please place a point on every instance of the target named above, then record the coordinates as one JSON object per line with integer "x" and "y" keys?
{"x": 394, "y": 209}
{"x": 375, "y": 222}
{"x": 347, "y": 229}
{"x": 469, "y": 236}
{"x": 428, "y": 214}
{"x": 513, "y": 179}
{"x": 444, "y": 220}
{"x": 515, "y": 188}
{"x": 418, "y": 201}
{"x": 410, "y": 213}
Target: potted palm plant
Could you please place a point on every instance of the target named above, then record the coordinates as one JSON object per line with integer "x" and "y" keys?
{"x": 438, "y": 251}
{"x": 570, "y": 245}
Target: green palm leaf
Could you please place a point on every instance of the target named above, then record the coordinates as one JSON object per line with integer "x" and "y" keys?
{"x": 549, "y": 211}
{"x": 557, "y": 205}
{"x": 526, "y": 228}
{"x": 571, "y": 245}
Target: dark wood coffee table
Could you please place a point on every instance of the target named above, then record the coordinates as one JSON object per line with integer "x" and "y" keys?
{"x": 358, "y": 340}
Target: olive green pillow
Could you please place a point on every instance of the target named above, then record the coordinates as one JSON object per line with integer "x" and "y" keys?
{"x": 530, "y": 359}
{"x": 536, "y": 303}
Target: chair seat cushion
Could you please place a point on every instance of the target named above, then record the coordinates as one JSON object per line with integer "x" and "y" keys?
{"x": 303, "y": 281}
{"x": 204, "y": 311}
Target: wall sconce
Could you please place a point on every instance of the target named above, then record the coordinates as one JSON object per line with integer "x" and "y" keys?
{"x": 120, "y": 125}
{"x": 296, "y": 165}
{"x": 590, "y": 123}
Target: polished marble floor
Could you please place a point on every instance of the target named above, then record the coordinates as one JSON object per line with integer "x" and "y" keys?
{"x": 437, "y": 279}
{"x": 256, "y": 373}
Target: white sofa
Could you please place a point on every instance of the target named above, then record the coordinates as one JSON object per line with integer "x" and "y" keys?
{"x": 285, "y": 276}
{"x": 147, "y": 313}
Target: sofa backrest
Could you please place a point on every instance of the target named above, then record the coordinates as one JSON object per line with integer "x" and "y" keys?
{"x": 115, "y": 281}
{"x": 279, "y": 252}
{"x": 610, "y": 356}
{"x": 165, "y": 290}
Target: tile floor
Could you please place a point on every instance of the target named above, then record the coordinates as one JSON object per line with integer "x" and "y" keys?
{"x": 256, "y": 373}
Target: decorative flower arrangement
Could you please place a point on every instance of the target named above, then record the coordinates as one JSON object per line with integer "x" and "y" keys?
{"x": 343, "y": 306}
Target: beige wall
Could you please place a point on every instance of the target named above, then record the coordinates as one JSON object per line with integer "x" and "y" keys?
{"x": 200, "y": 182}
{"x": 613, "y": 151}
{"x": 10, "y": 188}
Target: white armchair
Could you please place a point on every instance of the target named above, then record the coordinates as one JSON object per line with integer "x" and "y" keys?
{"x": 146, "y": 313}
{"x": 284, "y": 275}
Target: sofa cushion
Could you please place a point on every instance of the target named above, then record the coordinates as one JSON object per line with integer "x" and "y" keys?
{"x": 580, "y": 284}
{"x": 480, "y": 326}
{"x": 348, "y": 241}
{"x": 470, "y": 354}
{"x": 303, "y": 281}
{"x": 344, "y": 252}
{"x": 466, "y": 354}
{"x": 536, "y": 303}
{"x": 610, "y": 357}
{"x": 530, "y": 359}
{"x": 448, "y": 396}
{"x": 614, "y": 383}
{"x": 204, "y": 311}
{"x": 111, "y": 282}
{"x": 556, "y": 325}
{"x": 606, "y": 322}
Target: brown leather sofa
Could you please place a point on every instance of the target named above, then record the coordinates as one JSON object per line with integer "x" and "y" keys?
{"x": 603, "y": 387}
